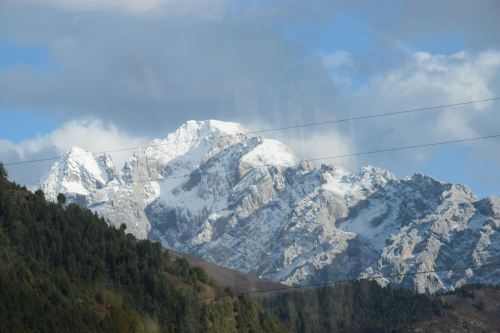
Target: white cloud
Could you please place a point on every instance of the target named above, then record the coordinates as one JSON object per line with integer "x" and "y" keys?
{"x": 323, "y": 144}
{"x": 338, "y": 59}
{"x": 427, "y": 80}
{"x": 91, "y": 135}
{"x": 424, "y": 80}
{"x": 199, "y": 8}
{"x": 340, "y": 65}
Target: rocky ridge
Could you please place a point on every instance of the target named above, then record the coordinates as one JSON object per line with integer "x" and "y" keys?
{"x": 217, "y": 191}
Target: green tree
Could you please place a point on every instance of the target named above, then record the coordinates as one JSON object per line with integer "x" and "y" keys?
{"x": 3, "y": 175}
{"x": 64, "y": 269}
{"x": 61, "y": 199}
{"x": 3, "y": 172}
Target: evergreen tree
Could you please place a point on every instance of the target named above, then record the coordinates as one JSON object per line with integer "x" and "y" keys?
{"x": 3, "y": 172}
{"x": 61, "y": 199}
{"x": 3, "y": 175}
{"x": 63, "y": 269}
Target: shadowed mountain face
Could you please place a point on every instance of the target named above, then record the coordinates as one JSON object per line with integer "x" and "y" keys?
{"x": 248, "y": 203}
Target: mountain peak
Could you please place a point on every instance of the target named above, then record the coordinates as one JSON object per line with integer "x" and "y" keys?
{"x": 210, "y": 128}
{"x": 191, "y": 141}
{"x": 77, "y": 153}
{"x": 230, "y": 128}
{"x": 77, "y": 173}
{"x": 213, "y": 189}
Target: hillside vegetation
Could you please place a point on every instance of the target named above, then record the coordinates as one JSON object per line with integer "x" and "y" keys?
{"x": 362, "y": 306}
{"x": 63, "y": 269}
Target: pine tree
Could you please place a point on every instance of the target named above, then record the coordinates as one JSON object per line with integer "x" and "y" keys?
{"x": 61, "y": 199}
{"x": 3, "y": 176}
{"x": 3, "y": 173}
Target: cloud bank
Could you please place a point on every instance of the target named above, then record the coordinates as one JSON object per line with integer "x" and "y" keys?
{"x": 148, "y": 66}
{"x": 91, "y": 135}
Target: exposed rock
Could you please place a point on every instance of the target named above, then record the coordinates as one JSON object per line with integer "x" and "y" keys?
{"x": 248, "y": 203}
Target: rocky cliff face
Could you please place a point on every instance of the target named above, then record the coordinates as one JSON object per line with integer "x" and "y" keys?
{"x": 248, "y": 203}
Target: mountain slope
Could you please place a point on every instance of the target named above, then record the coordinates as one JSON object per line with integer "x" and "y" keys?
{"x": 214, "y": 190}
{"x": 471, "y": 308}
{"x": 65, "y": 270}
{"x": 237, "y": 282}
{"x": 364, "y": 306}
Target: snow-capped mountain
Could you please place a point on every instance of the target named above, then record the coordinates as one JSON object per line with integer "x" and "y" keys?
{"x": 214, "y": 190}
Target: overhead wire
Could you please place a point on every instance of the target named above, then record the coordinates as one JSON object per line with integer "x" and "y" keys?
{"x": 332, "y": 157}
{"x": 304, "y": 125}
{"x": 370, "y": 278}
{"x": 368, "y": 152}
{"x": 376, "y": 151}
{"x": 346, "y": 281}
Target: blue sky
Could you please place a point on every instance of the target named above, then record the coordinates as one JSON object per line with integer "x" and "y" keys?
{"x": 126, "y": 72}
{"x": 18, "y": 123}
{"x": 35, "y": 56}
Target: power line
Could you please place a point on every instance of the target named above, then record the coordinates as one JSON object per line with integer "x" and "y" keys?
{"x": 377, "y": 151}
{"x": 378, "y": 115}
{"x": 344, "y": 281}
{"x": 351, "y": 155}
{"x": 328, "y": 122}
{"x": 336, "y": 282}
{"x": 409, "y": 147}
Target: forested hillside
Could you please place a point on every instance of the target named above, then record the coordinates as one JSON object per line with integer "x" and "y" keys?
{"x": 362, "y": 306}
{"x": 63, "y": 269}
{"x": 365, "y": 306}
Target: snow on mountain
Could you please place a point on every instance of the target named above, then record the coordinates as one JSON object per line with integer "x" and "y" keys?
{"x": 78, "y": 173}
{"x": 214, "y": 190}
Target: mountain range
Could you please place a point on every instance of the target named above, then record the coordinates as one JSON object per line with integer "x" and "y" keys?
{"x": 217, "y": 191}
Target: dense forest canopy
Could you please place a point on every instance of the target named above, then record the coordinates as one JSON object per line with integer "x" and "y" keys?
{"x": 362, "y": 306}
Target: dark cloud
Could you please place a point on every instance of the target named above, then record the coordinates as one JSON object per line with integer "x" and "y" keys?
{"x": 150, "y": 74}
{"x": 475, "y": 21}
